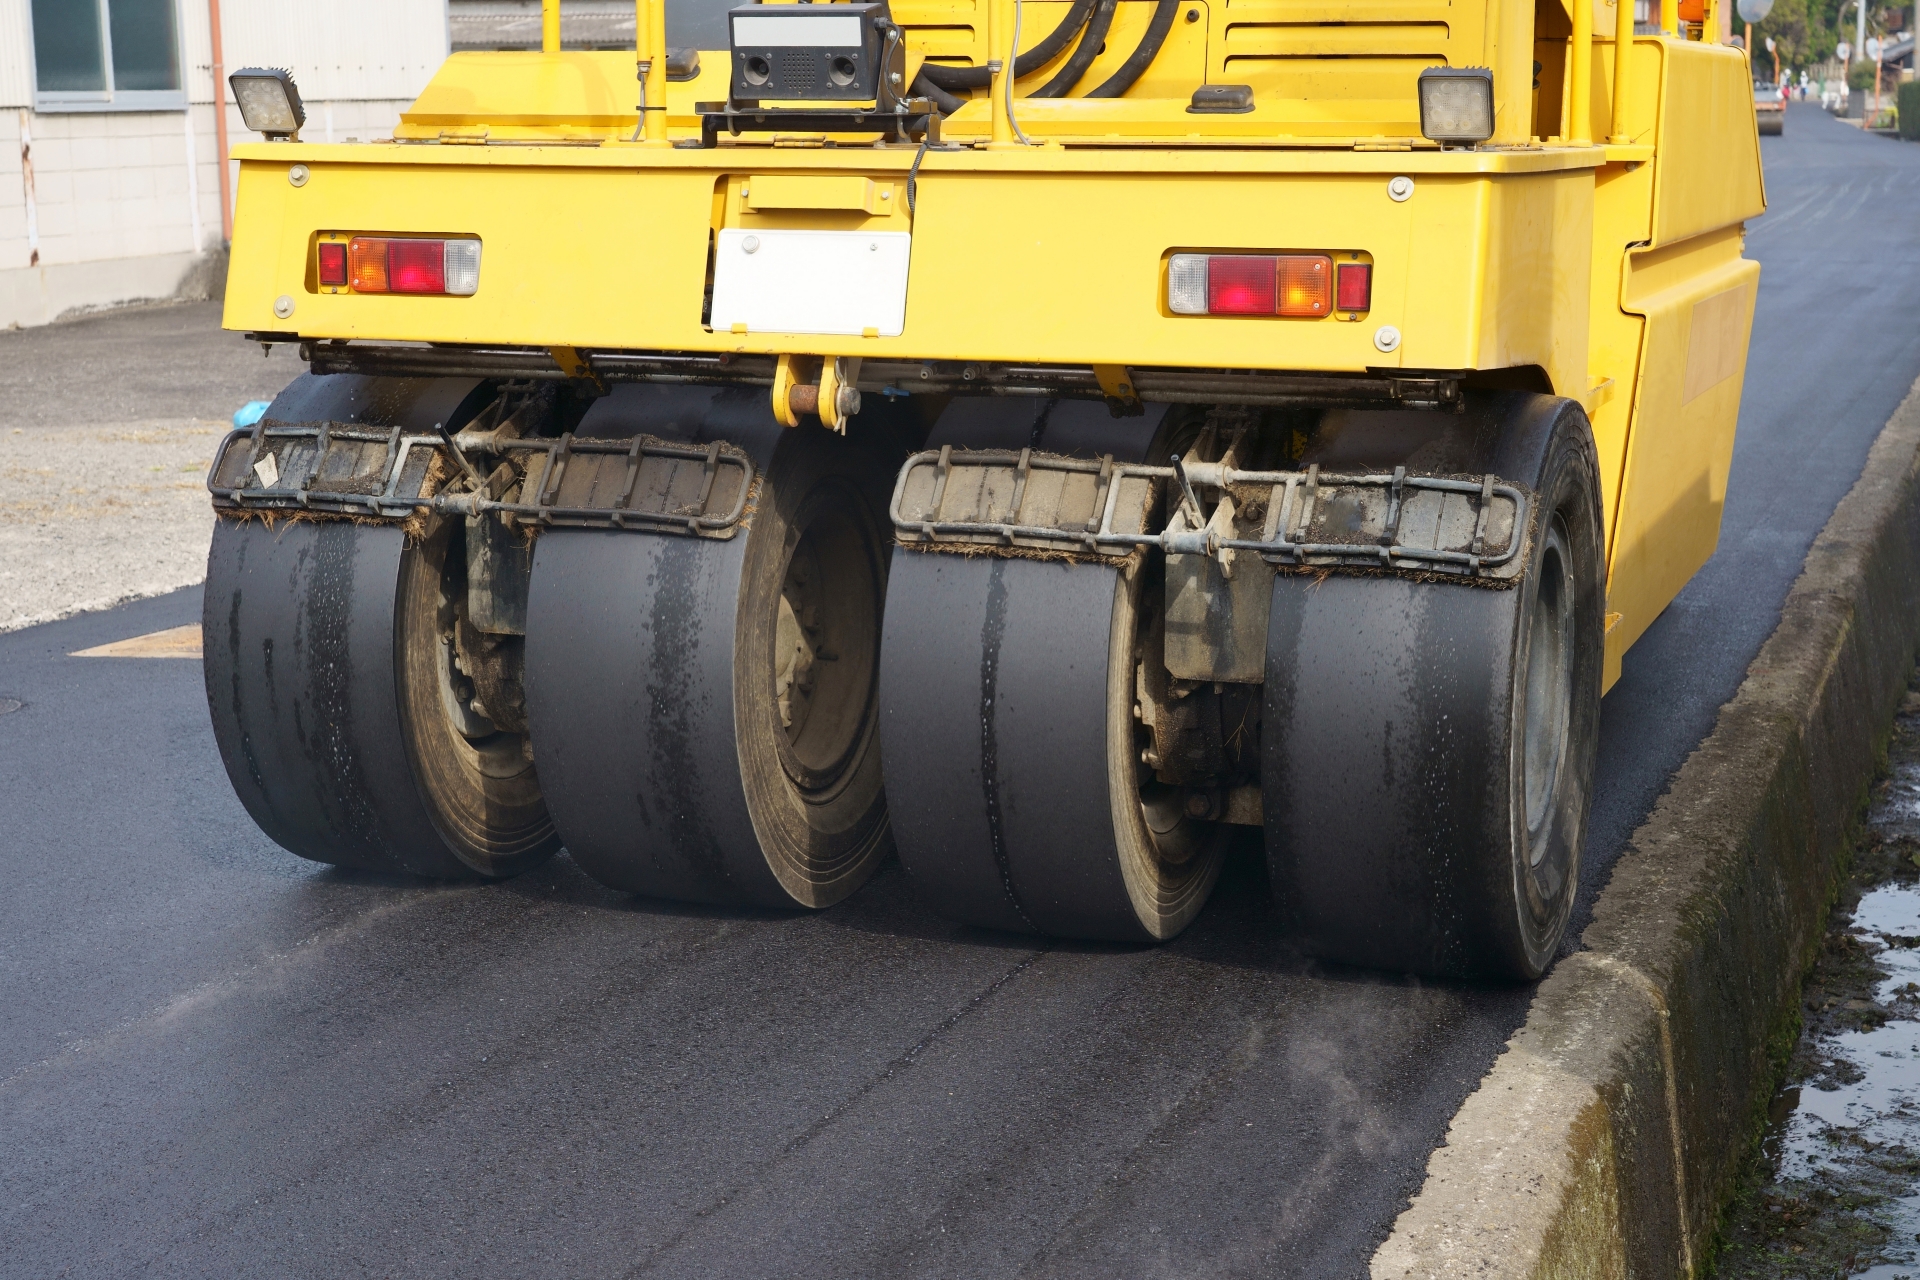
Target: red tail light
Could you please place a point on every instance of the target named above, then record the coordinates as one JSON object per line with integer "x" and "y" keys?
{"x": 1241, "y": 286}
{"x": 416, "y": 266}
{"x": 333, "y": 263}
{"x": 1355, "y": 289}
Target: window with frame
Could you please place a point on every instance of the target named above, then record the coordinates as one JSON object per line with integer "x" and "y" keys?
{"x": 106, "y": 55}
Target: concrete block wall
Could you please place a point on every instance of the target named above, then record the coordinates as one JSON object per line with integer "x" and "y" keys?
{"x": 124, "y": 206}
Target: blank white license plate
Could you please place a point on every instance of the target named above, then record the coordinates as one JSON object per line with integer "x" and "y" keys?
{"x": 846, "y": 282}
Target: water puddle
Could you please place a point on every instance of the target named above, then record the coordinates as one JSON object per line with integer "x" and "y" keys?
{"x": 1854, "y": 1130}
{"x": 1836, "y": 1190}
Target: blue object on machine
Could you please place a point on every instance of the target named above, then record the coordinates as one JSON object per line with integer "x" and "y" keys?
{"x": 250, "y": 412}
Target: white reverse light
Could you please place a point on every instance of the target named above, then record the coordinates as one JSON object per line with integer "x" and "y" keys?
{"x": 462, "y": 266}
{"x": 1187, "y": 284}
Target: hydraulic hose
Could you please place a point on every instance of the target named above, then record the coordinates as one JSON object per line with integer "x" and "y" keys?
{"x": 1132, "y": 69}
{"x": 1083, "y": 54}
{"x": 943, "y": 101}
{"x": 1024, "y": 64}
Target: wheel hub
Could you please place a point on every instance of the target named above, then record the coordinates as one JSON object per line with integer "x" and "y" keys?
{"x": 1549, "y": 689}
{"x": 826, "y": 633}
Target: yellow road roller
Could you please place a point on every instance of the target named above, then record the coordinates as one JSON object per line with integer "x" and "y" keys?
{"x": 1053, "y": 441}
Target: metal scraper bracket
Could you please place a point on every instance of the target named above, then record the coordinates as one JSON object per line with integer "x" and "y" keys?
{"x": 973, "y": 499}
{"x": 331, "y": 468}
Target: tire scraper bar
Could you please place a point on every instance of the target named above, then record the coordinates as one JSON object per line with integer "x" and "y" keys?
{"x": 346, "y": 470}
{"x": 966, "y": 500}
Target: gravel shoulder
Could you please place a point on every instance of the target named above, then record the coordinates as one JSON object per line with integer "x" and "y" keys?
{"x": 107, "y": 425}
{"x": 94, "y": 516}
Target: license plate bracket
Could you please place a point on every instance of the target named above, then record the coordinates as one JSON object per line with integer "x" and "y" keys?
{"x": 850, "y": 283}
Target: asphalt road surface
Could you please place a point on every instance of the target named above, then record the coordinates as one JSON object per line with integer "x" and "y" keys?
{"x": 219, "y": 1059}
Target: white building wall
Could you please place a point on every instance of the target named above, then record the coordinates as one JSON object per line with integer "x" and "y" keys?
{"x": 126, "y": 204}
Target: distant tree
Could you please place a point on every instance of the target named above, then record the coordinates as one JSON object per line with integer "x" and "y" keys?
{"x": 1809, "y": 31}
{"x": 1801, "y": 32}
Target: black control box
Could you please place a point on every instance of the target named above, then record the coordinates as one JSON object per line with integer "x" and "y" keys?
{"x": 808, "y": 52}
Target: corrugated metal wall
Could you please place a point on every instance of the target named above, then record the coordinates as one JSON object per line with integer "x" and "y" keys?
{"x": 344, "y": 50}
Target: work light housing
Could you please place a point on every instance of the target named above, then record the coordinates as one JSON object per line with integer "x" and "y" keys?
{"x": 269, "y": 102}
{"x": 1456, "y": 105}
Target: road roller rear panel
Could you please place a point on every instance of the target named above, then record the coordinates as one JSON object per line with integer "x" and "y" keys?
{"x": 1063, "y": 460}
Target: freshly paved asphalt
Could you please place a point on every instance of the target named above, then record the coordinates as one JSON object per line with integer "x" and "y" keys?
{"x": 218, "y": 1059}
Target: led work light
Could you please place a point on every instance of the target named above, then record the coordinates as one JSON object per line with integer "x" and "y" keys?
{"x": 1456, "y": 105}
{"x": 268, "y": 101}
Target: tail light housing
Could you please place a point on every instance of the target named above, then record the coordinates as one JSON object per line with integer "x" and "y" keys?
{"x": 1244, "y": 284}
{"x": 1456, "y": 105}
{"x": 418, "y": 265}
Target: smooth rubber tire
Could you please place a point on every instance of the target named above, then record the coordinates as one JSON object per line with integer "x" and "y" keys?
{"x": 319, "y": 642}
{"x": 1395, "y": 744}
{"x": 655, "y": 672}
{"x": 1007, "y": 692}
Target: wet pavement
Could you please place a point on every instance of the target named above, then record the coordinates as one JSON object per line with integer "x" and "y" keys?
{"x": 1835, "y": 1188}
{"x": 218, "y": 1059}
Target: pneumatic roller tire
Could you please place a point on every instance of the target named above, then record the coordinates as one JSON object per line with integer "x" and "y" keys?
{"x": 336, "y": 696}
{"x": 1429, "y": 748}
{"x": 704, "y": 710}
{"x": 1007, "y": 696}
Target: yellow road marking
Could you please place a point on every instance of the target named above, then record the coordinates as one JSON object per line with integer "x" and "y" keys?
{"x": 175, "y": 642}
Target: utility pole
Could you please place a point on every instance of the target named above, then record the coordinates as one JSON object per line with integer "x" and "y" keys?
{"x": 1860, "y": 37}
{"x": 220, "y": 122}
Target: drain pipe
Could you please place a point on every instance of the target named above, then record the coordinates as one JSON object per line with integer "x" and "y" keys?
{"x": 220, "y": 123}
{"x": 26, "y": 187}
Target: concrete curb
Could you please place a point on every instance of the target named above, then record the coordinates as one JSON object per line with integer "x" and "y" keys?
{"x": 1606, "y": 1138}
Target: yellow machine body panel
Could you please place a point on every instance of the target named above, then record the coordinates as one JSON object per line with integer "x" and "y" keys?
{"x": 1680, "y": 301}
{"x": 588, "y": 253}
{"x": 1607, "y": 271}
